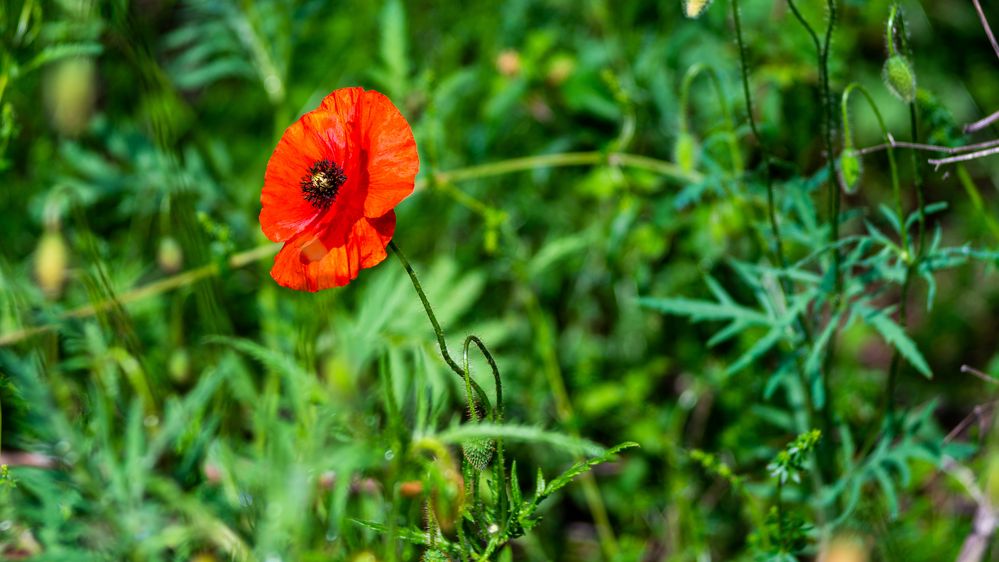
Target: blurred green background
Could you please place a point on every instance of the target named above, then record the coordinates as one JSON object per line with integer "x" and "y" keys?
{"x": 193, "y": 408}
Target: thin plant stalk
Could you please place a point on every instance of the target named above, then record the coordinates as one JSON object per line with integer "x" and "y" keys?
{"x": 822, "y": 49}
{"x": 438, "y": 331}
{"x": 888, "y": 406}
{"x": 692, "y": 73}
{"x": 767, "y": 172}
{"x": 785, "y": 283}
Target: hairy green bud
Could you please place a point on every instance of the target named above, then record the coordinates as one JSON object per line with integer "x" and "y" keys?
{"x": 900, "y": 78}
{"x": 685, "y": 151}
{"x": 850, "y": 169}
{"x": 478, "y": 452}
{"x": 169, "y": 256}
{"x": 52, "y": 262}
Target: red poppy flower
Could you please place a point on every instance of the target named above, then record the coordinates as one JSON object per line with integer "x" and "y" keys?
{"x": 331, "y": 186}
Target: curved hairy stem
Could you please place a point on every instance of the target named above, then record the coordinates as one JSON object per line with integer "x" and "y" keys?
{"x": 437, "y": 327}
{"x": 692, "y": 73}
{"x": 889, "y": 403}
{"x": 497, "y": 411}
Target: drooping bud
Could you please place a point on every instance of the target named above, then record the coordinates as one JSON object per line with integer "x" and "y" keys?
{"x": 51, "y": 262}
{"x": 850, "y": 169}
{"x": 694, "y": 8}
{"x": 169, "y": 256}
{"x": 900, "y": 78}
{"x": 686, "y": 151}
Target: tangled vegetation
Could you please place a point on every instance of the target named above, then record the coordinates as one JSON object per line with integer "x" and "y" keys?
{"x": 682, "y": 281}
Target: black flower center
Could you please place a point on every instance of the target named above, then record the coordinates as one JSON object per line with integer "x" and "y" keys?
{"x": 322, "y": 183}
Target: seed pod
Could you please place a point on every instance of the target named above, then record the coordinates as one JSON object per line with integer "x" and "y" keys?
{"x": 850, "y": 169}
{"x": 70, "y": 91}
{"x": 900, "y": 78}
{"x": 169, "y": 256}
{"x": 478, "y": 452}
{"x": 51, "y": 259}
{"x": 686, "y": 151}
{"x": 694, "y": 8}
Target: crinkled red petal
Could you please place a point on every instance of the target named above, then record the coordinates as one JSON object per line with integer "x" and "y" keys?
{"x": 305, "y": 263}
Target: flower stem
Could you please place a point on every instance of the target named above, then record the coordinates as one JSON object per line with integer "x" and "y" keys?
{"x": 437, "y": 326}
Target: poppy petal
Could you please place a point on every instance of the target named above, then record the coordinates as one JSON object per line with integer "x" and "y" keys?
{"x": 331, "y": 186}
{"x": 392, "y": 158}
{"x": 305, "y": 263}
{"x": 315, "y": 136}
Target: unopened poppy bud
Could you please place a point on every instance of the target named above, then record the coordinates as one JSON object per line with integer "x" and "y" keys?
{"x": 844, "y": 549}
{"x": 364, "y": 556}
{"x": 685, "y": 151}
{"x": 179, "y": 365}
{"x": 478, "y": 452}
{"x": 411, "y": 488}
{"x": 213, "y": 475}
{"x": 900, "y": 78}
{"x": 850, "y": 169}
{"x": 51, "y": 261}
{"x": 70, "y": 94}
{"x": 694, "y": 8}
{"x": 560, "y": 68}
{"x": 508, "y": 63}
{"x": 327, "y": 480}
{"x": 170, "y": 256}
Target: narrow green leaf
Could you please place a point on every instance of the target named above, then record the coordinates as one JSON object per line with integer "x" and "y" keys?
{"x": 582, "y": 466}
{"x": 700, "y": 311}
{"x": 896, "y": 336}
{"x": 523, "y": 433}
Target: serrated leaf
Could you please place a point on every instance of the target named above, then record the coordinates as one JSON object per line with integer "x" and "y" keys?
{"x": 896, "y": 336}
{"x": 516, "y": 499}
{"x": 413, "y": 535}
{"x": 580, "y": 467}
{"x": 700, "y": 311}
{"x": 772, "y": 337}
